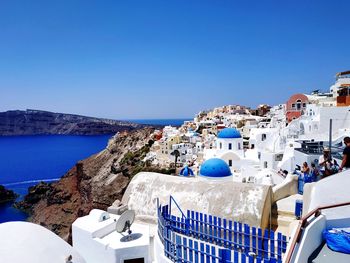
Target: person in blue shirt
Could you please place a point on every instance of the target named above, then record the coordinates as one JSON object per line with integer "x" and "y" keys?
{"x": 314, "y": 173}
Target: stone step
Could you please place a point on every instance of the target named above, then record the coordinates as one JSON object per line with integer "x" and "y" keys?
{"x": 286, "y": 206}
{"x": 286, "y": 224}
{"x": 286, "y": 213}
{"x": 285, "y": 220}
{"x": 282, "y": 219}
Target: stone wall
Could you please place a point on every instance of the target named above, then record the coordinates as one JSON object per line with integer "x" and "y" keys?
{"x": 242, "y": 202}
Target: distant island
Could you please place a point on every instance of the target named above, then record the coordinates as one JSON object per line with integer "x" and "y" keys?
{"x": 38, "y": 122}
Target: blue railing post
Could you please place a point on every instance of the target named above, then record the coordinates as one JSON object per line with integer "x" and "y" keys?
{"x": 272, "y": 244}
{"x": 266, "y": 245}
{"x": 224, "y": 256}
{"x": 234, "y": 240}
{"x": 178, "y": 249}
{"x": 187, "y": 226}
{"x": 279, "y": 247}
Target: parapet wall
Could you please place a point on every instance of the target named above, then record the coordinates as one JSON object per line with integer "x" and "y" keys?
{"x": 247, "y": 203}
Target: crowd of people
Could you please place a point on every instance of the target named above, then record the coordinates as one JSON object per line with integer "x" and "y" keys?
{"x": 325, "y": 166}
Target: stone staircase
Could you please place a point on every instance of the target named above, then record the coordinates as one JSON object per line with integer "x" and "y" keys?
{"x": 283, "y": 218}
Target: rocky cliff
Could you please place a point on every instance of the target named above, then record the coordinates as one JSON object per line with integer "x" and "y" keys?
{"x": 6, "y": 195}
{"x": 35, "y": 122}
{"x": 95, "y": 182}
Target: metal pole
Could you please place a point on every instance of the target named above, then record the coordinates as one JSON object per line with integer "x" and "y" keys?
{"x": 330, "y": 138}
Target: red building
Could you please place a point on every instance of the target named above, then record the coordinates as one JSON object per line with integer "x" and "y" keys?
{"x": 295, "y": 106}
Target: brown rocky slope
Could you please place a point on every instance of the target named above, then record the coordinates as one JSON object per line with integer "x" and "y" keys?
{"x": 95, "y": 182}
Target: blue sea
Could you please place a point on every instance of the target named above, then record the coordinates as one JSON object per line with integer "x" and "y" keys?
{"x": 162, "y": 122}
{"x": 27, "y": 160}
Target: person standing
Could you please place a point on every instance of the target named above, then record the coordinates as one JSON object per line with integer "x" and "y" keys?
{"x": 345, "y": 164}
{"x": 305, "y": 169}
{"x": 314, "y": 172}
{"x": 325, "y": 162}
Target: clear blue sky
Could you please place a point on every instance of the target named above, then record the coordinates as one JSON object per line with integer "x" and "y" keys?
{"x": 166, "y": 58}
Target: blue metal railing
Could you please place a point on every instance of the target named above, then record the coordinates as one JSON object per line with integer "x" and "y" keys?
{"x": 199, "y": 237}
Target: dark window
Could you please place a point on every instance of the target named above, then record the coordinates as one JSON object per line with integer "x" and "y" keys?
{"x": 278, "y": 157}
{"x": 298, "y": 104}
{"x": 230, "y": 163}
{"x": 230, "y": 146}
{"x": 135, "y": 260}
{"x": 265, "y": 164}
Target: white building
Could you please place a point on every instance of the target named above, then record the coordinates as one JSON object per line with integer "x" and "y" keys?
{"x": 229, "y": 147}
{"x": 96, "y": 239}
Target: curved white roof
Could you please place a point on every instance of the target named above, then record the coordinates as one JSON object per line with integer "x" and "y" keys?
{"x": 23, "y": 242}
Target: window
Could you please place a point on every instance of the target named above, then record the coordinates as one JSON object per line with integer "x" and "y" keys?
{"x": 252, "y": 146}
{"x": 304, "y": 105}
{"x": 259, "y": 155}
{"x": 293, "y": 106}
{"x": 265, "y": 164}
{"x": 230, "y": 163}
{"x": 239, "y": 146}
{"x": 230, "y": 146}
{"x": 135, "y": 260}
{"x": 278, "y": 157}
{"x": 298, "y": 104}
{"x": 263, "y": 137}
{"x": 220, "y": 145}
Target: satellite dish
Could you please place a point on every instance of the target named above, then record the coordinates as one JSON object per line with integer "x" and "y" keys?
{"x": 125, "y": 221}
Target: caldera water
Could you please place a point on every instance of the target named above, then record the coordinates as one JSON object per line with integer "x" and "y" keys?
{"x": 27, "y": 160}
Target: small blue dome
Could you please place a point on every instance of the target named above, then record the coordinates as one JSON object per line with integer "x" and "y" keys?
{"x": 186, "y": 171}
{"x": 229, "y": 133}
{"x": 215, "y": 167}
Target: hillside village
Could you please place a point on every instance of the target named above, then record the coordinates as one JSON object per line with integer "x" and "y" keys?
{"x": 264, "y": 139}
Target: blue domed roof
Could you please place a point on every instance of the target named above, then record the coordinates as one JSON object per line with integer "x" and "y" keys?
{"x": 229, "y": 133}
{"x": 215, "y": 167}
{"x": 186, "y": 171}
